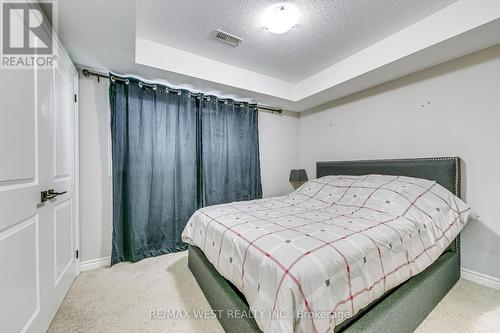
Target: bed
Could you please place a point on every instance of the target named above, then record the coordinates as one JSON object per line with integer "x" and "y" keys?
{"x": 397, "y": 307}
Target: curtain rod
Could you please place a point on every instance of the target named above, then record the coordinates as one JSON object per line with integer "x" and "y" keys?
{"x": 88, "y": 73}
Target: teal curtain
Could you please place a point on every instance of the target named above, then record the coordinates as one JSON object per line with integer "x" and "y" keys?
{"x": 231, "y": 169}
{"x": 173, "y": 154}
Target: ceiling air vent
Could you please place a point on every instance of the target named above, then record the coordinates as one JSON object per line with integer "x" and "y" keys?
{"x": 227, "y": 38}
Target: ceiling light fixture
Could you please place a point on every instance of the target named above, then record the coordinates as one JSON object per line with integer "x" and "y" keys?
{"x": 280, "y": 17}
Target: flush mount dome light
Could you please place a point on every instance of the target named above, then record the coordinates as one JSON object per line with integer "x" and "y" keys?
{"x": 280, "y": 17}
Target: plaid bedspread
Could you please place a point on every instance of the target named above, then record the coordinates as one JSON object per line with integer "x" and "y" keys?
{"x": 308, "y": 260}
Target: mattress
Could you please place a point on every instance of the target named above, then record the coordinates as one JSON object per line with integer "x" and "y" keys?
{"x": 307, "y": 261}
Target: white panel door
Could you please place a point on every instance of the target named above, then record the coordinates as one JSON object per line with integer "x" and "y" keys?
{"x": 38, "y": 124}
{"x": 20, "y": 148}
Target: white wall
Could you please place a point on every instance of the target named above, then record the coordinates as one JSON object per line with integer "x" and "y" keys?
{"x": 278, "y": 154}
{"x": 452, "y": 109}
{"x": 95, "y": 170}
{"x": 279, "y": 151}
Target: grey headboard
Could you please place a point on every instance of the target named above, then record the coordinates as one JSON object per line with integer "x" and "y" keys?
{"x": 444, "y": 170}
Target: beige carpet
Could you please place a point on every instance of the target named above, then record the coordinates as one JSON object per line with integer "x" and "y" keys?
{"x": 121, "y": 299}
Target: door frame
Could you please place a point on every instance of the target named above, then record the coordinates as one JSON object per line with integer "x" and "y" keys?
{"x": 77, "y": 168}
{"x": 64, "y": 56}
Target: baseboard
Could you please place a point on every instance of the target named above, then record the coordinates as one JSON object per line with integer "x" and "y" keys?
{"x": 87, "y": 265}
{"x": 483, "y": 279}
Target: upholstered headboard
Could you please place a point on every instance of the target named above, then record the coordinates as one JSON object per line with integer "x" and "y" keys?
{"x": 444, "y": 170}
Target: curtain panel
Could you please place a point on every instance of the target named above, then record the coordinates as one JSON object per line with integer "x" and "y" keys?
{"x": 172, "y": 155}
{"x": 230, "y": 152}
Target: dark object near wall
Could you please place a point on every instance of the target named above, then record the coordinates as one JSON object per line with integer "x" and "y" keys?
{"x": 298, "y": 177}
{"x": 171, "y": 156}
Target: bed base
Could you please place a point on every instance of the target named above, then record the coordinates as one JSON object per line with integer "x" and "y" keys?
{"x": 400, "y": 310}
{"x": 220, "y": 293}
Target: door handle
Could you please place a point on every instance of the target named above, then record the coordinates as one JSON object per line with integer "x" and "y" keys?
{"x": 52, "y": 192}
{"x": 49, "y": 195}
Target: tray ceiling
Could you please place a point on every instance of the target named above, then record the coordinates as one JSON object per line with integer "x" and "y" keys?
{"x": 338, "y": 47}
{"x": 327, "y": 32}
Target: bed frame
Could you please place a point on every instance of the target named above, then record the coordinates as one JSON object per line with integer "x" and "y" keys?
{"x": 400, "y": 310}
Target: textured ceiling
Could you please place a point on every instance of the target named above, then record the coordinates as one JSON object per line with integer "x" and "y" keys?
{"x": 102, "y": 35}
{"x": 328, "y": 30}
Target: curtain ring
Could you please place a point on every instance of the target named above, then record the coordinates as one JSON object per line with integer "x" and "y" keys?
{"x": 113, "y": 79}
{"x": 152, "y": 86}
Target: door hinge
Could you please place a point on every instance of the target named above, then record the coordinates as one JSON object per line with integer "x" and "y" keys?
{"x": 75, "y": 98}
{"x": 77, "y": 254}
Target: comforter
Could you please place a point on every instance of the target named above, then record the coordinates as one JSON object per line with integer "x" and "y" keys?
{"x": 309, "y": 260}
